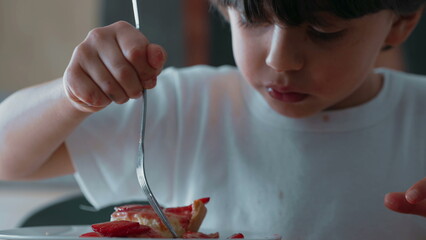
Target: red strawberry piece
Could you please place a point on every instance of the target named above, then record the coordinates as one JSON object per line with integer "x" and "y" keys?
{"x": 179, "y": 210}
{"x": 185, "y": 209}
{"x": 119, "y": 228}
{"x": 236, "y": 235}
{"x": 91, "y": 234}
{"x": 204, "y": 200}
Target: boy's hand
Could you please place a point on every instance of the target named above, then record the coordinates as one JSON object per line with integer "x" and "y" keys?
{"x": 113, "y": 64}
{"x": 413, "y": 201}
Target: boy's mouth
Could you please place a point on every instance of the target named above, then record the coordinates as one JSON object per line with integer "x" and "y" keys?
{"x": 286, "y": 96}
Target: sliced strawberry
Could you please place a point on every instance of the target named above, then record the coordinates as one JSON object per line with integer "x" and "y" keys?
{"x": 205, "y": 200}
{"x": 91, "y": 234}
{"x": 236, "y": 235}
{"x": 188, "y": 235}
{"x": 179, "y": 210}
{"x": 119, "y": 228}
{"x": 185, "y": 209}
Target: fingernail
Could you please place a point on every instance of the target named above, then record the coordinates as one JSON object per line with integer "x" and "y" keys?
{"x": 388, "y": 200}
{"x": 412, "y": 196}
{"x": 157, "y": 59}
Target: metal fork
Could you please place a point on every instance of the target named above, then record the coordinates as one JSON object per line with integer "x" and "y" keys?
{"x": 140, "y": 170}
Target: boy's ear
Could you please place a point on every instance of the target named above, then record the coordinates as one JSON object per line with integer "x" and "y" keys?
{"x": 402, "y": 27}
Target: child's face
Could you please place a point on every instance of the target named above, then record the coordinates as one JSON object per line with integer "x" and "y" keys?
{"x": 303, "y": 70}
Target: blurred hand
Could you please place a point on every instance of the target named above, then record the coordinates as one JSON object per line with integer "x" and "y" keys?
{"x": 413, "y": 201}
{"x": 113, "y": 64}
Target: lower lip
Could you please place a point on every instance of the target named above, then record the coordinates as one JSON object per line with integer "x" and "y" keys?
{"x": 288, "y": 97}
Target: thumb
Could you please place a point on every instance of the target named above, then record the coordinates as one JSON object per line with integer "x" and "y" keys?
{"x": 397, "y": 202}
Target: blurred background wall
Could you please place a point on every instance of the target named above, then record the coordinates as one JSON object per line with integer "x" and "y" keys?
{"x": 38, "y": 37}
{"x": 414, "y": 49}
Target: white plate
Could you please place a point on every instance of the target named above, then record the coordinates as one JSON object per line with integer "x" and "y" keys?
{"x": 45, "y": 232}
{"x": 73, "y": 233}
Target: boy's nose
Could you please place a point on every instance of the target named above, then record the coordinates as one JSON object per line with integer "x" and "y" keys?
{"x": 284, "y": 54}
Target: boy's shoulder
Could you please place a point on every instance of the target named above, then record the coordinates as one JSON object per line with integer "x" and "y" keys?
{"x": 406, "y": 90}
{"x": 414, "y": 83}
{"x": 406, "y": 77}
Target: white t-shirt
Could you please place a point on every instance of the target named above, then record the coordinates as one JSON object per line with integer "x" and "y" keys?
{"x": 210, "y": 134}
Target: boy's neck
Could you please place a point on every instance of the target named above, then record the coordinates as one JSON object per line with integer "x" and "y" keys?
{"x": 365, "y": 93}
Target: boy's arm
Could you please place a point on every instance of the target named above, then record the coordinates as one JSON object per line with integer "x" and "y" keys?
{"x": 34, "y": 125}
{"x": 413, "y": 201}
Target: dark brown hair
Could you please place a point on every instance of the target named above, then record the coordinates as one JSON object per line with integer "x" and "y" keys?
{"x": 295, "y": 12}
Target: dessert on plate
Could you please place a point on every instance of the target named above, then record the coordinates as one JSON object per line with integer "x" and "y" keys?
{"x": 141, "y": 221}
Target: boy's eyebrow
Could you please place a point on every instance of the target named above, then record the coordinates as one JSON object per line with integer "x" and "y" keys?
{"x": 321, "y": 18}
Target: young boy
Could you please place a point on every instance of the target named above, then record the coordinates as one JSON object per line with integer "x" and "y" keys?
{"x": 305, "y": 138}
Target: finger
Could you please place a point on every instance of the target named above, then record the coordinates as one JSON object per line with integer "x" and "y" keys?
{"x": 398, "y": 203}
{"x": 78, "y": 103}
{"x": 417, "y": 192}
{"x": 134, "y": 47}
{"x": 149, "y": 84}
{"x": 91, "y": 63}
{"x": 156, "y": 55}
{"x": 156, "y": 58}
{"x": 82, "y": 91}
{"x": 121, "y": 70}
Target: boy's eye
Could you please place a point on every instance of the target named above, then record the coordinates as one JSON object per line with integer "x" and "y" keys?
{"x": 324, "y": 36}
